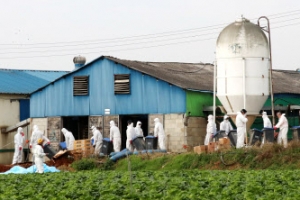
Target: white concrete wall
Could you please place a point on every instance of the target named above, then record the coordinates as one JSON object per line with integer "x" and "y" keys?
{"x": 178, "y": 135}
{"x": 174, "y": 130}
{"x": 9, "y": 115}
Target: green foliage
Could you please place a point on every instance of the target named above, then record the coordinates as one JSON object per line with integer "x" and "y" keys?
{"x": 108, "y": 165}
{"x": 84, "y": 164}
{"x": 177, "y": 185}
{"x": 269, "y": 157}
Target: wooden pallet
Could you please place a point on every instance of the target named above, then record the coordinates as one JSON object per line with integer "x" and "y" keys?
{"x": 83, "y": 147}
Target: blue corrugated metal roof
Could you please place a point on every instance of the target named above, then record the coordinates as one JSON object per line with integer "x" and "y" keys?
{"x": 25, "y": 81}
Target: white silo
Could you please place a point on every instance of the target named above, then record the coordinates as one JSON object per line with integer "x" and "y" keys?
{"x": 243, "y": 62}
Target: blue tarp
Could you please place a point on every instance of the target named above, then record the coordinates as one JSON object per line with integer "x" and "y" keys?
{"x": 116, "y": 156}
{"x": 32, "y": 169}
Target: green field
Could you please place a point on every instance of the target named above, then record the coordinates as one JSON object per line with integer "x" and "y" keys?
{"x": 173, "y": 185}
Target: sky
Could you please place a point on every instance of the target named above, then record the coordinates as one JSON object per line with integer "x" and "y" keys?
{"x": 47, "y": 34}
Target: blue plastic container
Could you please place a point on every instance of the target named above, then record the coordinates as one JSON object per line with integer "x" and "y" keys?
{"x": 255, "y": 136}
{"x": 139, "y": 143}
{"x": 107, "y": 146}
{"x": 151, "y": 142}
{"x": 233, "y": 137}
{"x": 219, "y": 135}
{"x": 268, "y": 134}
{"x": 63, "y": 145}
{"x": 296, "y": 133}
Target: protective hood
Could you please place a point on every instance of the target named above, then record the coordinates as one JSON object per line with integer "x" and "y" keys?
{"x": 210, "y": 118}
{"x": 112, "y": 123}
{"x": 93, "y": 128}
{"x": 35, "y": 128}
{"x": 156, "y": 120}
{"x": 64, "y": 131}
{"x": 226, "y": 117}
{"x": 138, "y": 124}
{"x": 264, "y": 115}
{"x": 20, "y": 130}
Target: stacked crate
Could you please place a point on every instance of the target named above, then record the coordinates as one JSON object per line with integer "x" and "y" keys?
{"x": 224, "y": 144}
{"x": 83, "y": 146}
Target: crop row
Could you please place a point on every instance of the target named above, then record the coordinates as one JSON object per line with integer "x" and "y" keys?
{"x": 194, "y": 184}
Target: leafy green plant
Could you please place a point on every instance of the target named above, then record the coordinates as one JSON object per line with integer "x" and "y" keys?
{"x": 173, "y": 184}
{"x": 84, "y": 164}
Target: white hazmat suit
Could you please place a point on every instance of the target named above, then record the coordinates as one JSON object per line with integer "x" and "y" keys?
{"x": 115, "y": 136}
{"x": 19, "y": 142}
{"x": 284, "y": 127}
{"x": 39, "y": 158}
{"x": 267, "y": 123}
{"x": 130, "y": 133}
{"x": 36, "y": 134}
{"x": 69, "y": 138}
{"x": 160, "y": 133}
{"x": 98, "y": 140}
{"x": 240, "y": 122}
{"x": 226, "y": 125}
{"x": 210, "y": 129}
{"x": 138, "y": 129}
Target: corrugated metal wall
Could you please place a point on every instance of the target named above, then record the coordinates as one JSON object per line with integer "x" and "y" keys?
{"x": 148, "y": 95}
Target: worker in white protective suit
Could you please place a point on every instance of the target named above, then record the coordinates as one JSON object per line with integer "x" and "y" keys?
{"x": 267, "y": 123}
{"x": 69, "y": 138}
{"x": 283, "y": 125}
{"x": 139, "y": 130}
{"x": 36, "y": 134}
{"x": 160, "y": 133}
{"x": 98, "y": 140}
{"x": 39, "y": 156}
{"x": 210, "y": 129}
{"x": 19, "y": 142}
{"x": 226, "y": 125}
{"x": 130, "y": 134}
{"x": 241, "y": 122}
{"x": 115, "y": 136}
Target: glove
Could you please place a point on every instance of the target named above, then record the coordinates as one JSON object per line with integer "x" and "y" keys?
{"x": 30, "y": 146}
{"x": 275, "y": 128}
{"x": 20, "y": 148}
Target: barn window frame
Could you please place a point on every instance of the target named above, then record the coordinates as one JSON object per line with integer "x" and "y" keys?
{"x": 81, "y": 85}
{"x": 122, "y": 84}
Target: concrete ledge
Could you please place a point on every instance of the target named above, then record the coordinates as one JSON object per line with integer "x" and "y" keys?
{"x": 15, "y": 127}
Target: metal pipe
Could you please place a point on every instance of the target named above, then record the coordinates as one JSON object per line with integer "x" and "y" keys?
{"x": 268, "y": 30}
{"x": 214, "y": 99}
{"x": 244, "y": 81}
{"x": 244, "y": 94}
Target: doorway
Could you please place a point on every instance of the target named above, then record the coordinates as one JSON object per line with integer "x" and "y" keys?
{"x": 78, "y": 126}
{"x": 134, "y": 118}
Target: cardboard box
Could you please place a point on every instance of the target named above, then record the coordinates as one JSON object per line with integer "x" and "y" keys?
{"x": 224, "y": 141}
{"x": 200, "y": 149}
{"x": 211, "y": 147}
{"x": 224, "y": 147}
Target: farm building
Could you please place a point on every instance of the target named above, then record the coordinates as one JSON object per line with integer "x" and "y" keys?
{"x": 114, "y": 89}
{"x": 15, "y": 89}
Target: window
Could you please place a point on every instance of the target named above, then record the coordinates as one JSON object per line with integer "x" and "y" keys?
{"x": 80, "y": 85}
{"x": 122, "y": 83}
